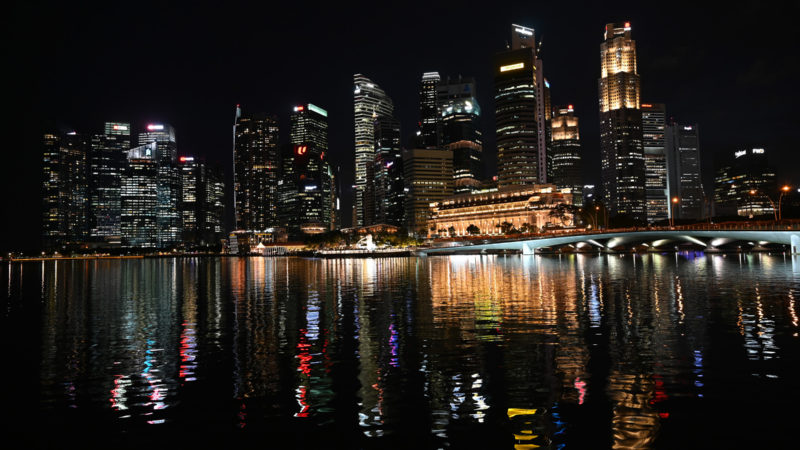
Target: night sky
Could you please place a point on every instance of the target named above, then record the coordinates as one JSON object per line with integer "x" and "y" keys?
{"x": 733, "y": 71}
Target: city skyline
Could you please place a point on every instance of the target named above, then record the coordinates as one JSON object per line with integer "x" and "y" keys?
{"x": 328, "y": 91}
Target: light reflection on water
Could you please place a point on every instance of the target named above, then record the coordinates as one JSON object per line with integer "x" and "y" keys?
{"x": 623, "y": 351}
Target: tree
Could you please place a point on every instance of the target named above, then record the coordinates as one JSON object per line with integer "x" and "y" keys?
{"x": 472, "y": 229}
{"x": 451, "y": 231}
{"x": 506, "y": 227}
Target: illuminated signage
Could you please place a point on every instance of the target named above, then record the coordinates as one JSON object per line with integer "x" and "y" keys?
{"x": 511, "y": 67}
{"x": 298, "y": 108}
{"x": 740, "y": 153}
{"x": 687, "y": 128}
{"x": 758, "y": 151}
{"x": 311, "y": 187}
{"x": 525, "y": 31}
{"x": 627, "y": 26}
{"x": 569, "y": 108}
{"x": 317, "y": 110}
{"x": 72, "y": 133}
{"x": 153, "y": 127}
{"x": 121, "y": 127}
{"x": 300, "y": 150}
{"x": 187, "y": 158}
{"x": 646, "y": 105}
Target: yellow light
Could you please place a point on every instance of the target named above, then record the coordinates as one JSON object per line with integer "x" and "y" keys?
{"x": 785, "y": 188}
{"x": 512, "y": 67}
{"x": 520, "y": 412}
{"x": 674, "y": 199}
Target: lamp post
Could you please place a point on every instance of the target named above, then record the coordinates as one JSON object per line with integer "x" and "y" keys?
{"x": 596, "y": 210}
{"x": 675, "y": 201}
{"x": 776, "y": 210}
{"x": 784, "y": 190}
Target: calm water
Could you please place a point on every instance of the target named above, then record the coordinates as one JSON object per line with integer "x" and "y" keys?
{"x": 648, "y": 351}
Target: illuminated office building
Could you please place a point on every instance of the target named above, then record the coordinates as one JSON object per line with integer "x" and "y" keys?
{"x": 516, "y": 110}
{"x": 370, "y": 103}
{"x": 387, "y": 174}
{"x": 255, "y": 171}
{"x": 460, "y": 131}
{"x": 107, "y": 158}
{"x": 428, "y": 179}
{"x": 166, "y": 157}
{"x": 428, "y": 109}
{"x": 622, "y": 156}
{"x": 64, "y": 184}
{"x": 683, "y": 168}
{"x": 543, "y": 121}
{"x": 139, "y": 198}
{"x": 742, "y": 187}
{"x": 566, "y": 153}
{"x": 308, "y": 200}
{"x": 202, "y": 202}
{"x": 655, "y": 161}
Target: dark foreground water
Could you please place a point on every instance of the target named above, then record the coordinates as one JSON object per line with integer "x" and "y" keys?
{"x": 647, "y": 351}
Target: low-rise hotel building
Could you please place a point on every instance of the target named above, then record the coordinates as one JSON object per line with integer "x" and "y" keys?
{"x": 528, "y": 207}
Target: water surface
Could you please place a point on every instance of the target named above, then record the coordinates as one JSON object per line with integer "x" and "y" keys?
{"x": 579, "y": 351}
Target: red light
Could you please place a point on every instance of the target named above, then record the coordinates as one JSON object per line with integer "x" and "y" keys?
{"x": 299, "y": 108}
{"x": 627, "y": 24}
{"x": 301, "y": 150}
{"x": 569, "y": 107}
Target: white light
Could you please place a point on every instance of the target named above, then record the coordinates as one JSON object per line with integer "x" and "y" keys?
{"x": 511, "y": 67}
{"x": 740, "y": 153}
{"x": 155, "y": 127}
{"x": 758, "y": 151}
{"x": 317, "y": 110}
{"x": 524, "y": 31}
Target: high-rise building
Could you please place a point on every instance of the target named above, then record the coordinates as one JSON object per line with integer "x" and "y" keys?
{"x": 428, "y": 179}
{"x": 107, "y": 159}
{"x": 460, "y": 131}
{"x": 743, "y": 186}
{"x": 139, "y": 198}
{"x": 428, "y": 109}
{"x": 655, "y": 161}
{"x": 543, "y": 117}
{"x": 166, "y": 157}
{"x": 202, "y": 207}
{"x": 566, "y": 153}
{"x": 388, "y": 185}
{"x": 309, "y": 200}
{"x": 622, "y": 155}
{"x": 515, "y": 110}
{"x": 370, "y": 102}
{"x": 683, "y": 168}
{"x": 256, "y": 166}
{"x": 65, "y": 199}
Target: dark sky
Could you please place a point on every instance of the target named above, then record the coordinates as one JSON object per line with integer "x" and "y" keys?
{"x": 73, "y": 66}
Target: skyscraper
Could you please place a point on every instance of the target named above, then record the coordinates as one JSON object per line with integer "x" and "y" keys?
{"x": 202, "y": 207}
{"x": 622, "y": 156}
{"x": 742, "y": 186}
{"x": 169, "y": 185}
{"x": 139, "y": 198}
{"x": 566, "y": 153}
{"x": 543, "y": 117}
{"x": 515, "y": 110}
{"x": 107, "y": 159}
{"x": 370, "y": 102}
{"x": 655, "y": 161}
{"x": 460, "y": 131}
{"x": 428, "y": 109}
{"x": 308, "y": 202}
{"x": 255, "y": 171}
{"x": 65, "y": 200}
{"x": 387, "y": 173}
{"x": 683, "y": 168}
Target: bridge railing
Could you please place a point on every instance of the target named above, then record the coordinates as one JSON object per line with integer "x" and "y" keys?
{"x": 761, "y": 225}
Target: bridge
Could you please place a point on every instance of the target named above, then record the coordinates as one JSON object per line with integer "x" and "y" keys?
{"x": 708, "y": 236}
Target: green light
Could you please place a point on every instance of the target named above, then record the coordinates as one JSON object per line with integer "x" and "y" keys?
{"x": 317, "y": 110}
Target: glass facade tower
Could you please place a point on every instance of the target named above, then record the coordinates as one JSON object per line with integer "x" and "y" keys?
{"x": 107, "y": 159}
{"x": 566, "y": 153}
{"x": 516, "y": 110}
{"x": 370, "y": 103}
{"x": 655, "y": 161}
{"x": 255, "y": 171}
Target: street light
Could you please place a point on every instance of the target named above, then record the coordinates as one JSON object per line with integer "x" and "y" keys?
{"x": 776, "y": 210}
{"x": 675, "y": 201}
